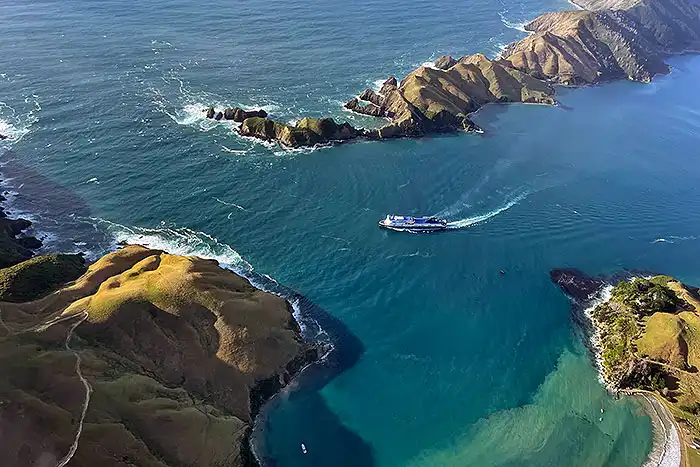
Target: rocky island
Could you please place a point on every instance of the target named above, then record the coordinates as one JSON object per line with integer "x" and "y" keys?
{"x": 646, "y": 338}
{"x": 605, "y": 40}
{"x": 143, "y": 358}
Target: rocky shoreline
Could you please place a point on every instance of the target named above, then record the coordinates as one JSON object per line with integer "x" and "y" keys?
{"x": 605, "y": 40}
{"x": 643, "y": 339}
{"x": 15, "y": 245}
{"x": 178, "y": 357}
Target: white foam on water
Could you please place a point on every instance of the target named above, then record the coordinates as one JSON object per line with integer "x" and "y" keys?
{"x": 319, "y": 334}
{"x": 500, "y": 48}
{"x": 14, "y": 124}
{"x": 233, "y": 151}
{"x": 675, "y": 238}
{"x": 469, "y": 221}
{"x": 603, "y": 296}
{"x": 518, "y": 26}
{"x": 177, "y": 240}
{"x": 230, "y": 204}
{"x": 429, "y": 65}
{"x": 377, "y": 85}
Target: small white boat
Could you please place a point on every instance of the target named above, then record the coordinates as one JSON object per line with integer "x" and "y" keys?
{"x": 303, "y": 448}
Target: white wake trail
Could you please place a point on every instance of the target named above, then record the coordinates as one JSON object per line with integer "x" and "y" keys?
{"x": 469, "y": 221}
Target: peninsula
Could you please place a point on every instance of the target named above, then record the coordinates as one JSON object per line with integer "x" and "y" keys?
{"x": 605, "y": 40}
{"x": 143, "y": 358}
{"x": 646, "y": 338}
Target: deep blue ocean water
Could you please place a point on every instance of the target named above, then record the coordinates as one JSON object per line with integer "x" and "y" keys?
{"x": 462, "y": 366}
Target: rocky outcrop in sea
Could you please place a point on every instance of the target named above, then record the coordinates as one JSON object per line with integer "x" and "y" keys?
{"x": 606, "y": 40}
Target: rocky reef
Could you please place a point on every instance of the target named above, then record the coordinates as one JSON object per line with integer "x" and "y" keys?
{"x": 14, "y": 246}
{"x": 606, "y": 40}
{"x": 646, "y": 334}
{"x": 306, "y": 132}
{"x": 143, "y": 358}
{"x": 234, "y": 113}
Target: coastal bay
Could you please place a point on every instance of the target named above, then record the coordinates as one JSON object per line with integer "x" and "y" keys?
{"x": 459, "y": 361}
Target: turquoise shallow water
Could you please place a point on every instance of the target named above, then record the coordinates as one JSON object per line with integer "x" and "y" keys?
{"x": 460, "y": 366}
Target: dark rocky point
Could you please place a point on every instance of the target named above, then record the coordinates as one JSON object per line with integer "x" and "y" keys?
{"x": 576, "y": 284}
{"x": 445, "y": 62}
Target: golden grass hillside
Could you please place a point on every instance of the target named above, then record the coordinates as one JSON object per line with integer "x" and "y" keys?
{"x": 175, "y": 350}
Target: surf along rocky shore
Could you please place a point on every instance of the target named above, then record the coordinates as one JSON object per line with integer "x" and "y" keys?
{"x": 643, "y": 333}
{"x": 605, "y": 40}
{"x": 145, "y": 357}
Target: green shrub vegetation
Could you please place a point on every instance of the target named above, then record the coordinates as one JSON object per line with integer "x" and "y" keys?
{"x": 36, "y": 277}
{"x": 646, "y": 297}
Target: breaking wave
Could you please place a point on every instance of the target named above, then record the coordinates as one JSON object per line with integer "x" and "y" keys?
{"x": 674, "y": 239}
{"x": 176, "y": 240}
{"x": 518, "y": 26}
{"x": 14, "y": 124}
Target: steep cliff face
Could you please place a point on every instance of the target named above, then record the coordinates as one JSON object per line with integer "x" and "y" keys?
{"x": 175, "y": 351}
{"x": 618, "y": 39}
{"x": 440, "y": 99}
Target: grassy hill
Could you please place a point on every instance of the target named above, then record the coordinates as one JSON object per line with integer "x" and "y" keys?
{"x": 176, "y": 351}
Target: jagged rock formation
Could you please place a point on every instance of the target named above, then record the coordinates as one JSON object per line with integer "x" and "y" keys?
{"x": 13, "y": 246}
{"x": 618, "y": 39}
{"x": 234, "y": 113}
{"x": 439, "y": 99}
{"x": 612, "y": 39}
{"x": 445, "y": 62}
{"x": 179, "y": 354}
{"x": 307, "y": 132}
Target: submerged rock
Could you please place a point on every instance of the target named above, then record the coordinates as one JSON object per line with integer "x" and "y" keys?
{"x": 576, "y": 284}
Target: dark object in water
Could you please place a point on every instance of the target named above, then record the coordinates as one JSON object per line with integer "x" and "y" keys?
{"x": 501, "y": 271}
{"x": 576, "y": 284}
{"x": 3, "y": 137}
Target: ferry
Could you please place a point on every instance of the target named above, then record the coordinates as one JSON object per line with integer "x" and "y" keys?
{"x": 413, "y": 224}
